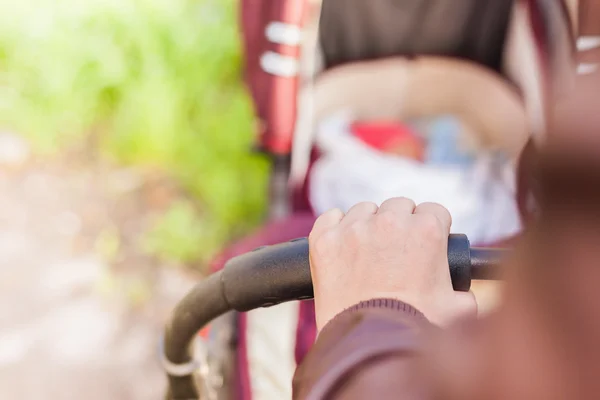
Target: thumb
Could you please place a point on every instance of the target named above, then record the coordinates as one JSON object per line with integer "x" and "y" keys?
{"x": 465, "y": 305}
{"x": 455, "y": 305}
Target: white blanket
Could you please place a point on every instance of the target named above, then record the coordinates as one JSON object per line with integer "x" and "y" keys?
{"x": 480, "y": 197}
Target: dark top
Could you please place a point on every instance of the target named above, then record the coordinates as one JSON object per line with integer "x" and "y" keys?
{"x": 352, "y": 30}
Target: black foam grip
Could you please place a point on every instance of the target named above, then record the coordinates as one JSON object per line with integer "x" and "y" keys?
{"x": 274, "y": 274}
{"x": 459, "y": 261}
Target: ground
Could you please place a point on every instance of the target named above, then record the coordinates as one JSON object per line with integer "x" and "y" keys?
{"x": 74, "y": 325}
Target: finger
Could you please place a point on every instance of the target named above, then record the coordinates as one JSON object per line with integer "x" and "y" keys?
{"x": 465, "y": 305}
{"x": 439, "y": 211}
{"x": 360, "y": 211}
{"x": 326, "y": 221}
{"x": 397, "y": 205}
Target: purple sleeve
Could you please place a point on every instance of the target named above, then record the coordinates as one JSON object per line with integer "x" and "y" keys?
{"x": 372, "y": 336}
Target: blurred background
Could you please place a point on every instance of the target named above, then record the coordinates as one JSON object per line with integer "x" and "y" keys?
{"x": 125, "y": 132}
{"x": 125, "y": 166}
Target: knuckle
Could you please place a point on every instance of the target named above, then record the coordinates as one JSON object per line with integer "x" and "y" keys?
{"x": 429, "y": 227}
{"x": 337, "y": 212}
{"x": 367, "y": 204}
{"x": 440, "y": 210}
{"x": 429, "y": 205}
{"x": 387, "y": 220}
{"x": 356, "y": 229}
{"x": 397, "y": 199}
{"x": 372, "y": 205}
{"x": 365, "y": 207}
{"x": 327, "y": 215}
{"x": 403, "y": 203}
{"x": 404, "y": 200}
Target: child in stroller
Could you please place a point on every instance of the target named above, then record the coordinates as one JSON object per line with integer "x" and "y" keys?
{"x": 470, "y": 73}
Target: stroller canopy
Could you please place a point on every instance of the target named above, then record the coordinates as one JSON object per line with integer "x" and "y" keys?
{"x": 358, "y": 30}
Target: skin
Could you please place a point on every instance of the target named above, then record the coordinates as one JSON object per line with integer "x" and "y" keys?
{"x": 397, "y": 250}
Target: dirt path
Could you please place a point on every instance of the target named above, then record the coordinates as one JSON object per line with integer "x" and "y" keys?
{"x": 66, "y": 329}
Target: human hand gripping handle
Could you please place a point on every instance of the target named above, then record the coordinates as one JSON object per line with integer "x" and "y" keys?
{"x": 397, "y": 250}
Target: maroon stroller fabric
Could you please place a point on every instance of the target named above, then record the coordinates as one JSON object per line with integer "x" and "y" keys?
{"x": 274, "y": 93}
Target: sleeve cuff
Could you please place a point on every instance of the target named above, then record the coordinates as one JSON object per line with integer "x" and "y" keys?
{"x": 367, "y": 330}
{"x": 388, "y": 307}
{"x": 389, "y": 304}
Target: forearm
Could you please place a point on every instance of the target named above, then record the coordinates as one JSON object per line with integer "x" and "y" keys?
{"x": 368, "y": 350}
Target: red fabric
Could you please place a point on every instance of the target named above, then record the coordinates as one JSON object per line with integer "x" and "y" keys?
{"x": 274, "y": 96}
{"x": 382, "y": 135}
{"x": 390, "y": 137}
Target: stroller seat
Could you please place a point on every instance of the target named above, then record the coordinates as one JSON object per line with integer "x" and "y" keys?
{"x": 401, "y": 89}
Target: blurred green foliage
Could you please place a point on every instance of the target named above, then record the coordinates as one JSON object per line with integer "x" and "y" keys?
{"x": 154, "y": 82}
{"x": 179, "y": 233}
{"x": 108, "y": 244}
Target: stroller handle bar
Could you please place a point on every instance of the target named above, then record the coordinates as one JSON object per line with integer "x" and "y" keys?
{"x": 271, "y": 275}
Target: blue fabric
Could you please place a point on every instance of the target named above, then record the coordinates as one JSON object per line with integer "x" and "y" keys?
{"x": 442, "y": 143}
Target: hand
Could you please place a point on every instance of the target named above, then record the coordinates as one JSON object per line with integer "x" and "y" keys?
{"x": 398, "y": 251}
